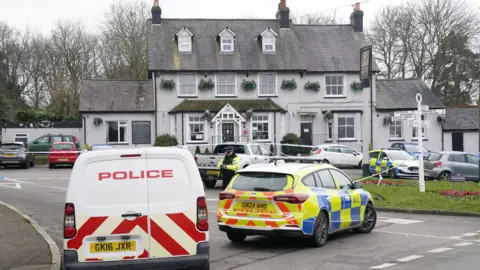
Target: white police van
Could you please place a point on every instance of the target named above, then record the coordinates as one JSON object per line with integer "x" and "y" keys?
{"x": 136, "y": 209}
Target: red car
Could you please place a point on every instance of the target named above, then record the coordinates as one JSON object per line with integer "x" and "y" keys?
{"x": 62, "y": 153}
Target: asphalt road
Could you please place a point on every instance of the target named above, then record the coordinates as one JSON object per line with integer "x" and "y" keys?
{"x": 400, "y": 241}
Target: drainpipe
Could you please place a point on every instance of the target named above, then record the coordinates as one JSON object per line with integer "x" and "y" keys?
{"x": 442, "y": 136}
{"x": 183, "y": 130}
{"x": 84, "y": 130}
{"x": 371, "y": 110}
{"x": 155, "y": 106}
{"x": 275, "y": 128}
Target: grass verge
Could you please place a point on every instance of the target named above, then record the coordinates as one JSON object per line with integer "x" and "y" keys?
{"x": 41, "y": 160}
{"x": 406, "y": 195}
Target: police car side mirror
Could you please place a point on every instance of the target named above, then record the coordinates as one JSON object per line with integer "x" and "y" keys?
{"x": 385, "y": 158}
{"x": 357, "y": 185}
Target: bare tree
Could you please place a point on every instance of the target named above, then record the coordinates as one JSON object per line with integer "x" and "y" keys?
{"x": 386, "y": 38}
{"x": 317, "y": 18}
{"x": 35, "y": 91}
{"x": 124, "y": 41}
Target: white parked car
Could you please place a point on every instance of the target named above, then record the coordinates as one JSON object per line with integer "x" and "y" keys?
{"x": 338, "y": 155}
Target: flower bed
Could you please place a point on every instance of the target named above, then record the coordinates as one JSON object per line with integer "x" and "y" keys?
{"x": 389, "y": 183}
{"x": 456, "y": 193}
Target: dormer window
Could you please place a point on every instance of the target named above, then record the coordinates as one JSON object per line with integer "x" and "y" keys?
{"x": 269, "y": 40}
{"x": 227, "y": 41}
{"x": 184, "y": 39}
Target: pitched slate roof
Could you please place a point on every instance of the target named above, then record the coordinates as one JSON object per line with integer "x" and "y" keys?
{"x": 462, "y": 119}
{"x": 315, "y": 48}
{"x": 400, "y": 94}
{"x": 241, "y": 105}
{"x": 116, "y": 96}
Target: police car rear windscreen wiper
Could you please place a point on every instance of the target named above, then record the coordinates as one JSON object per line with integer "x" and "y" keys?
{"x": 262, "y": 189}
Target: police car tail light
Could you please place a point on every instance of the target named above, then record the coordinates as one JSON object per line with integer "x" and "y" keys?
{"x": 226, "y": 196}
{"x": 69, "y": 229}
{"x": 297, "y": 198}
{"x": 437, "y": 164}
{"x": 202, "y": 214}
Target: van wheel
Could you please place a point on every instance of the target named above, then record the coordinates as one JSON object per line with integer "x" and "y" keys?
{"x": 210, "y": 183}
{"x": 369, "y": 220}
{"x": 320, "y": 233}
{"x": 236, "y": 237}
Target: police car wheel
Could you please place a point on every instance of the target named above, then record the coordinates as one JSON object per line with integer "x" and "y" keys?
{"x": 391, "y": 173}
{"x": 320, "y": 234}
{"x": 236, "y": 237}
{"x": 369, "y": 220}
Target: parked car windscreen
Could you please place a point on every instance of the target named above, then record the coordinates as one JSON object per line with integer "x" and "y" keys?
{"x": 435, "y": 157}
{"x": 63, "y": 147}
{"x": 414, "y": 148}
{"x": 259, "y": 181}
{"x": 10, "y": 146}
{"x": 400, "y": 155}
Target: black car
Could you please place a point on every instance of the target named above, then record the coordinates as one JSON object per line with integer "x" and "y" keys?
{"x": 15, "y": 153}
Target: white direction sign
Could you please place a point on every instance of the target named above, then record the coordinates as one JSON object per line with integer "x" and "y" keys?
{"x": 425, "y": 123}
{"x": 425, "y": 108}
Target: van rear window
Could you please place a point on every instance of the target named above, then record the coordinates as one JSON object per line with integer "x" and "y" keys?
{"x": 260, "y": 181}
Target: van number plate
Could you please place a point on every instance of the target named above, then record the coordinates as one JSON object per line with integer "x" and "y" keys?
{"x": 113, "y": 247}
{"x": 253, "y": 205}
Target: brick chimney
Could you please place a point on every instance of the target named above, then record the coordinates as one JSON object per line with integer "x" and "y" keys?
{"x": 356, "y": 19}
{"x": 156, "y": 13}
{"x": 283, "y": 14}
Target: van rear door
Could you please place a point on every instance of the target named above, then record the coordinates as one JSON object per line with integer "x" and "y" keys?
{"x": 174, "y": 190}
{"x": 111, "y": 207}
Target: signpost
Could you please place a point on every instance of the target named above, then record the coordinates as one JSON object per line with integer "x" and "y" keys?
{"x": 366, "y": 80}
{"x": 421, "y": 170}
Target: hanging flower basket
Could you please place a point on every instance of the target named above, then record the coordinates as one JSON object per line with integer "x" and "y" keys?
{"x": 167, "y": 84}
{"x": 387, "y": 120}
{"x": 328, "y": 116}
{"x": 356, "y": 86}
{"x": 289, "y": 84}
{"x": 312, "y": 86}
{"x": 249, "y": 85}
{"x": 206, "y": 85}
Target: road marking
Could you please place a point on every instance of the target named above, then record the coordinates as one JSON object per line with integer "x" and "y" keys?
{"x": 410, "y": 258}
{"x": 455, "y": 237}
{"x": 478, "y": 240}
{"x": 463, "y": 244}
{"x": 410, "y": 234}
{"x": 35, "y": 184}
{"x": 11, "y": 185}
{"x": 401, "y": 221}
{"x": 438, "y": 250}
{"x": 385, "y": 265}
{"x": 470, "y": 234}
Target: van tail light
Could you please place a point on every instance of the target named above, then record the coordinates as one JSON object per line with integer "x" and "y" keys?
{"x": 202, "y": 214}
{"x": 437, "y": 164}
{"x": 318, "y": 151}
{"x": 69, "y": 230}
{"x": 297, "y": 198}
{"x": 226, "y": 196}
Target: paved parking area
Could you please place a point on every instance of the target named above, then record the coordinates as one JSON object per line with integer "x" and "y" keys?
{"x": 400, "y": 241}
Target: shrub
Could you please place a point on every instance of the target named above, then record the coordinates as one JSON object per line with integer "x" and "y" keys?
{"x": 166, "y": 140}
{"x": 197, "y": 150}
{"x": 207, "y": 151}
{"x": 291, "y": 138}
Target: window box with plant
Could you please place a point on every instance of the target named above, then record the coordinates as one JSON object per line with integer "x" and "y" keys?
{"x": 249, "y": 85}
{"x": 289, "y": 84}
{"x": 167, "y": 84}
{"x": 206, "y": 85}
{"x": 312, "y": 86}
{"x": 356, "y": 86}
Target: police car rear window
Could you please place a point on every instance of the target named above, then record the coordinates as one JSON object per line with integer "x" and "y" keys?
{"x": 258, "y": 181}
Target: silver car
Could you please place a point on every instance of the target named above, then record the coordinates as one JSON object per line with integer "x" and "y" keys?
{"x": 15, "y": 153}
{"x": 441, "y": 165}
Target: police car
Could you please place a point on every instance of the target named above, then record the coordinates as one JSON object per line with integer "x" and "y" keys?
{"x": 136, "y": 209}
{"x": 393, "y": 163}
{"x": 294, "y": 199}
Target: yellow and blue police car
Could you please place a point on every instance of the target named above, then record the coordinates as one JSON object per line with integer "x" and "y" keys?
{"x": 294, "y": 199}
{"x": 393, "y": 163}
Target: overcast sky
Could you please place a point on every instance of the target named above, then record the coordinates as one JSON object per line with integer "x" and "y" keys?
{"x": 40, "y": 15}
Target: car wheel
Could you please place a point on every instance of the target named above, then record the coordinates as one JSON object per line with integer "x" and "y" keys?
{"x": 51, "y": 166}
{"x": 359, "y": 165}
{"x": 444, "y": 176}
{"x": 391, "y": 173}
{"x": 320, "y": 233}
{"x": 326, "y": 161}
{"x": 210, "y": 183}
{"x": 236, "y": 237}
{"x": 26, "y": 165}
{"x": 32, "y": 163}
{"x": 369, "y": 220}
